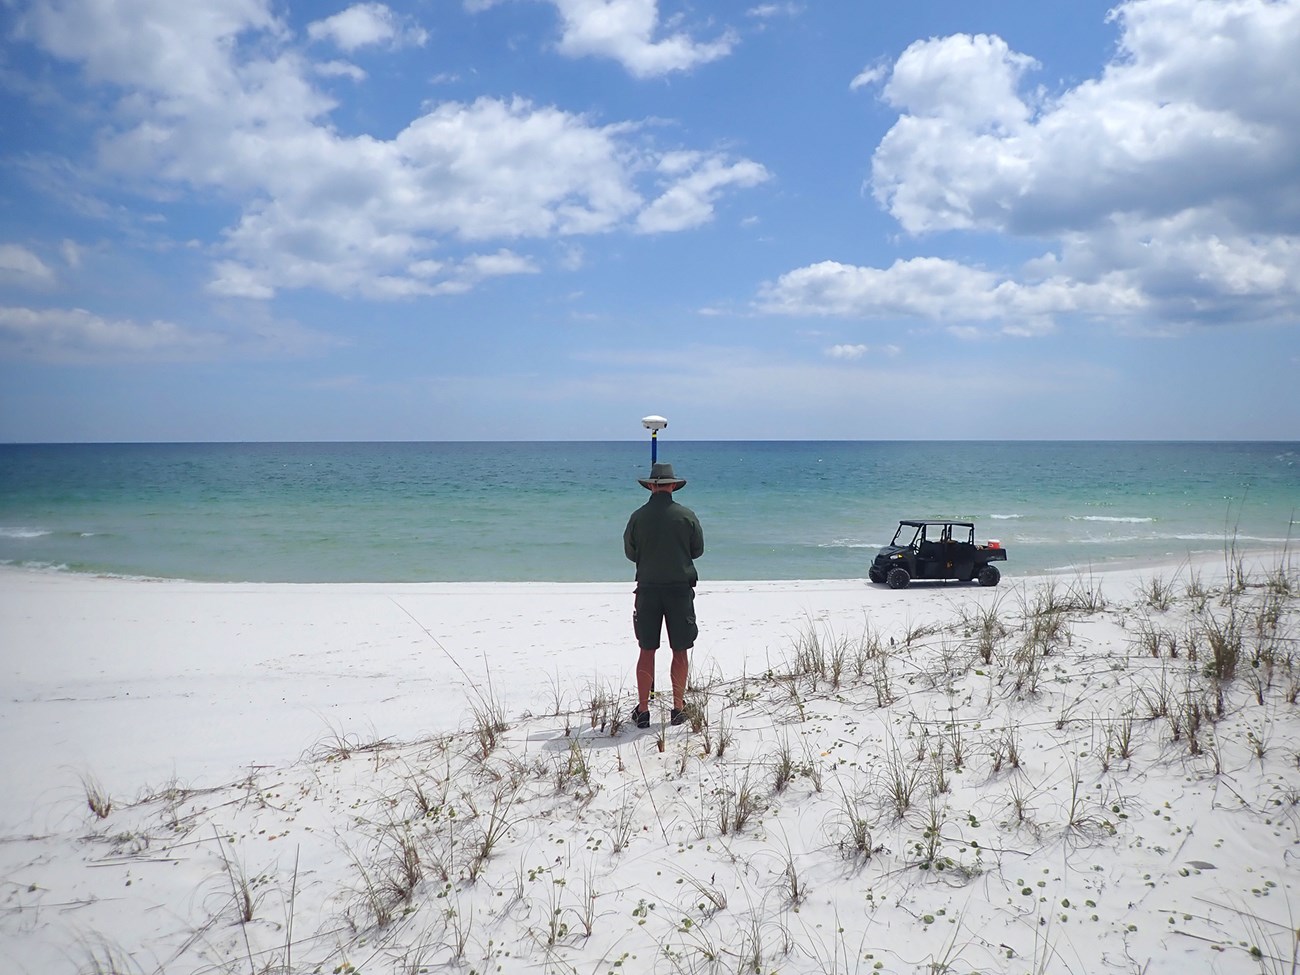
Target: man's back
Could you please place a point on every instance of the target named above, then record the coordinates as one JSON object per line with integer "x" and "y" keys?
{"x": 664, "y": 538}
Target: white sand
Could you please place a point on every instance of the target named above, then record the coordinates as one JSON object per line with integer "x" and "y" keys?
{"x": 241, "y": 731}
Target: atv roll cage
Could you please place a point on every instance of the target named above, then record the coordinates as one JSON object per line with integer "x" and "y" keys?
{"x": 932, "y": 548}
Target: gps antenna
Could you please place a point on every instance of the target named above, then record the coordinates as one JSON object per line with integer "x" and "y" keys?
{"x": 654, "y": 424}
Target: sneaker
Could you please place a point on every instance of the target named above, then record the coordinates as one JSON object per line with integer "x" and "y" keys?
{"x": 677, "y": 716}
{"x": 640, "y": 718}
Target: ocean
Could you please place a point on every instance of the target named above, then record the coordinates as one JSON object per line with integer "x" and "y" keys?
{"x": 416, "y": 512}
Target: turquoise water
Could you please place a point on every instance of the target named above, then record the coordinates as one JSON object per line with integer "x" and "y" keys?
{"x": 399, "y": 512}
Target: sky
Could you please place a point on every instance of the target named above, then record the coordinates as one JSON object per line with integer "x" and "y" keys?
{"x": 544, "y": 219}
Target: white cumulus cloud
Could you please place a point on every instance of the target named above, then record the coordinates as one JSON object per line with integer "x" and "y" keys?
{"x": 214, "y": 98}
{"x": 628, "y": 32}
{"x": 366, "y": 24}
{"x": 941, "y": 291}
{"x": 972, "y": 80}
{"x": 1165, "y": 191}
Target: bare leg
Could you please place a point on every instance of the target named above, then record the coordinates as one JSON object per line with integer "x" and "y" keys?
{"x": 678, "y": 672}
{"x": 645, "y": 678}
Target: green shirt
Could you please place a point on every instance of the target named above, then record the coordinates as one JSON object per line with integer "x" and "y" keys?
{"x": 663, "y": 538}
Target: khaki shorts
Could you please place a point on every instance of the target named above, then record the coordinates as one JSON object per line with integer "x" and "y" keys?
{"x": 657, "y": 605}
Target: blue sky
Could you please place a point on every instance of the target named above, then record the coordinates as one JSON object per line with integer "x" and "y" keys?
{"x": 544, "y": 219}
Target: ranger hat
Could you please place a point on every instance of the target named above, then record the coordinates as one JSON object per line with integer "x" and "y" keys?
{"x": 662, "y": 474}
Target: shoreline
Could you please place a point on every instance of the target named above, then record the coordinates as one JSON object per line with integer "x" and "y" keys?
{"x": 1251, "y": 550}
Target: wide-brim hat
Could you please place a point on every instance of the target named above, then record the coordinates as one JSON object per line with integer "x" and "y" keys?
{"x": 661, "y": 474}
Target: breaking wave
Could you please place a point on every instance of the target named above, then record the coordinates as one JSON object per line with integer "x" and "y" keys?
{"x": 1116, "y": 519}
{"x": 23, "y": 532}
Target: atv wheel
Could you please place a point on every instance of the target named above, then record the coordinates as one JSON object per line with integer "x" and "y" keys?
{"x": 876, "y": 575}
{"x": 989, "y": 575}
{"x": 898, "y": 578}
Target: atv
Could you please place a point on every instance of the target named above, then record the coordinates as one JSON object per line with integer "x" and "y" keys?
{"x": 936, "y": 550}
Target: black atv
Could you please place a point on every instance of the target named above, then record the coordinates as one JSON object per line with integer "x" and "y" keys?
{"x": 936, "y": 550}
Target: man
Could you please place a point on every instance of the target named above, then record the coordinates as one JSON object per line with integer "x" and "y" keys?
{"x": 663, "y": 538}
